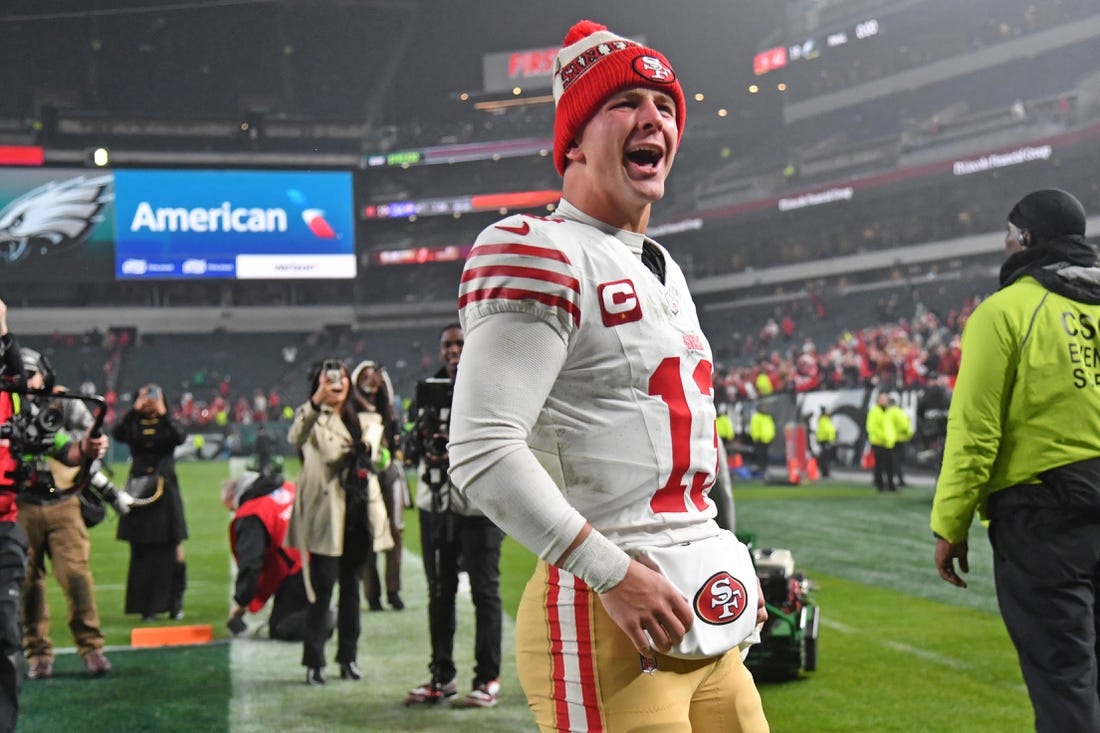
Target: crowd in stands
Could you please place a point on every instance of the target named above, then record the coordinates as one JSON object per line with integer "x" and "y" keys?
{"x": 898, "y": 351}
{"x": 798, "y": 345}
{"x": 215, "y": 380}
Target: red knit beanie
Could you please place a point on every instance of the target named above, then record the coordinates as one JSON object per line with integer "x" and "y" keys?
{"x": 593, "y": 64}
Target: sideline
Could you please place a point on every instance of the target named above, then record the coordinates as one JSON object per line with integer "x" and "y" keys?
{"x": 270, "y": 694}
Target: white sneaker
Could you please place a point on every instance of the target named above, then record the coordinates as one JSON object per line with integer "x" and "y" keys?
{"x": 485, "y": 695}
{"x": 432, "y": 692}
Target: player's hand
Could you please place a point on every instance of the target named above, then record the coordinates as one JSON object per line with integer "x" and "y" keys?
{"x": 644, "y": 601}
{"x": 946, "y": 554}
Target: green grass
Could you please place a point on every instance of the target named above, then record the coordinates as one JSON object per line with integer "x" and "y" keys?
{"x": 900, "y": 650}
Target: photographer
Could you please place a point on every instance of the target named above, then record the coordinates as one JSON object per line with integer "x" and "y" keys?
{"x": 29, "y": 439}
{"x": 372, "y": 384}
{"x": 338, "y": 512}
{"x": 454, "y": 536}
{"x": 13, "y": 541}
{"x": 156, "y": 526}
{"x": 49, "y": 512}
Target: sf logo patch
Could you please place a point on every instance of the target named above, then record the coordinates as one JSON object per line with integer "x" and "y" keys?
{"x": 619, "y": 303}
{"x": 653, "y": 69}
{"x": 721, "y": 600}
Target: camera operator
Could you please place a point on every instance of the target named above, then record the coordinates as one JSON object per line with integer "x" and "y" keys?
{"x": 49, "y": 512}
{"x": 31, "y": 436}
{"x": 454, "y": 536}
{"x": 13, "y": 540}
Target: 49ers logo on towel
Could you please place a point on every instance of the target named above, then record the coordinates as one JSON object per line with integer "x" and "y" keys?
{"x": 721, "y": 600}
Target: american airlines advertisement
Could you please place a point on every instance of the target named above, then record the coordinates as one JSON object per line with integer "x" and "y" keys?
{"x": 76, "y": 225}
{"x": 233, "y": 224}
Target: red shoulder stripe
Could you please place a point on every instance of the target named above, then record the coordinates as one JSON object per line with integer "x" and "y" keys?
{"x": 531, "y": 273}
{"x": 555, "y": 301}
{"x": 519, "y": 249}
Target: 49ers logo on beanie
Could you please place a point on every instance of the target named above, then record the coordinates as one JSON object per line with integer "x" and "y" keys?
{"x": 653, "y": 68}
{"x": 593, "y": 64}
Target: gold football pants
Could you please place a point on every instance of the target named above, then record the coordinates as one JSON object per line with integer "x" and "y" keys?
{"x": 580, "y": 672}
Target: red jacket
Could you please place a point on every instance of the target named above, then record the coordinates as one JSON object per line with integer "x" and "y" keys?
{"x": 279, "y": 562}
{"x": 8, "y": 464}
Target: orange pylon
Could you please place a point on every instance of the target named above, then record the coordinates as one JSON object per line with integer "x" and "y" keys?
{"x": 794, "y": 476}
{"x": 812, "y": 471}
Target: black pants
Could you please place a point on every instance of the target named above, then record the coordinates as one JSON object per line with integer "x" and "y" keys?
{"x": 825, "y": 458}
{"x": 450, "y": 543}
{"x": 325, "y": 572}
{"x": 760, "y": 456}
{"x": 884, "y": 467}
{"x": 898, "y": 456}
{"x": 1046, "y": 562}
{"x": 13, "y": 570}
{"x": 289, "y": 610}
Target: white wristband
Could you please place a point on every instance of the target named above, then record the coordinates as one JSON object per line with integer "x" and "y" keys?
{"x": 598, "y": 561}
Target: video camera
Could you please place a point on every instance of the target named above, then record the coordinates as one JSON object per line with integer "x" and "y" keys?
{"x": 431, "y": 431}
{"x": 32, "y": 431}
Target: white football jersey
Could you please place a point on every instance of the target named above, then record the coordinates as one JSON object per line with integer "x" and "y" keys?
{"x": 627, "y": 431}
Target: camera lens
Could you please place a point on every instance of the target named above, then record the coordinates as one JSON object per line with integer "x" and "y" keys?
{"x": 50, "y": 419}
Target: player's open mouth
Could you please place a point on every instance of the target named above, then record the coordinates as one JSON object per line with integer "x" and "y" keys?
{"x": 645, "y": 157}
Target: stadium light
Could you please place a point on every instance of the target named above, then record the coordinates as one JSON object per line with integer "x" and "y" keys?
{"x": 99, "y": 157}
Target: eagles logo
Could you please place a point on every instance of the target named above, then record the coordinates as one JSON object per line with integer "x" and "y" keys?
{"x": 721, "y": 600}
{"x": 52, "y": 218}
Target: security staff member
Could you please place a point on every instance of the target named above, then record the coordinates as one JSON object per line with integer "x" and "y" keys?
{"x": 882, "y": 435}
{"x": 1023, "y": 449}
{"x": 762, "y": 432}
{"x": 903, "y": 431}
{"x": 826, "y": 439}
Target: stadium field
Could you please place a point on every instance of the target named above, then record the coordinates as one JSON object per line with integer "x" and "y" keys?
{"x": 899, "y": 650}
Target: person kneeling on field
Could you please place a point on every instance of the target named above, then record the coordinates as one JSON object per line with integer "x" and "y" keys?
{"x": 261, "y": 502}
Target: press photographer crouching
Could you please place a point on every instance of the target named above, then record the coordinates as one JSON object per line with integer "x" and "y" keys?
{"x": 261, "y": 501}
{"x": 454, "y": 537}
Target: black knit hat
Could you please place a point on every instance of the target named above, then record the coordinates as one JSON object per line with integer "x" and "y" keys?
{"x": 1048, "y": 213}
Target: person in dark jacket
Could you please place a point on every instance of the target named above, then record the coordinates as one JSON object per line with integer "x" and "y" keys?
{"x": 156, "y": 526}
{"x": 1023, "y": 450}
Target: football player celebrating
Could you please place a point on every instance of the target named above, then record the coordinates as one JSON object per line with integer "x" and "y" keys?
{"x": 583, "y": 424}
